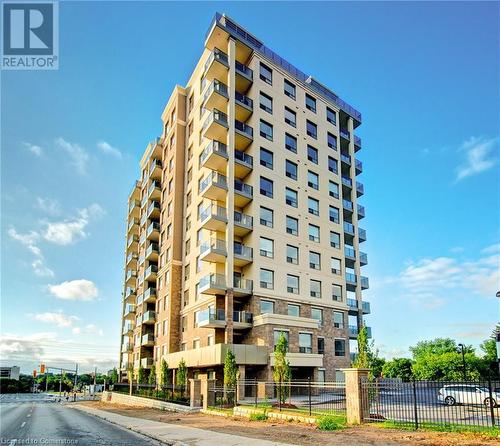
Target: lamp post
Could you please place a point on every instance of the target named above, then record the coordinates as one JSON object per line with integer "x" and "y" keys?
{"x": 462, "y": 348}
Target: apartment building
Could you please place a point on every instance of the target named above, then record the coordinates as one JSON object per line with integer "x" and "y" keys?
{"x": 244, "y": 222}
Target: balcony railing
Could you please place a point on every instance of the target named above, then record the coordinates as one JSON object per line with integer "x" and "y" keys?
{"x": 345, "y": 133}
{"x": 134, "y": 204}
{"x": 244, "y": 100}
{"x": 348, "y": 205}
{"x": 359, "y": 166}
{"x": 148, "y": 338}
{"x": 243, "y": 188}
{"x": 211, "y": 315}
{"x": 132, "y": 223}
{"x": 155, "y": 164}
{"x": 243, "y": 251}
{"x": 363, "y": 258}
{"x": 154, "y": 226}
{"x": 361, "y": 211}
{"x": 357, "y": 141}
{"x": 244, "y": 70}
{"x": 243, "y": 220}
{"x": 214, "y": 147}
{"x": 154, "y": 185}
{"x": 214, "y": 244}
{"x": 349, "y": 228}
{"x": 365, "y": 283}
{"x": 132, "y": 239}
{"x": 150, "y": 293}
{"x": 217, "y": 87}
{"x": 216, "y": 55}
{"x": 149, "y": 316}
{"x": 243, "y": 128}
{"x": 146, "y": 362}
{"x": 243, "y": 317}
{"x": 131, "y": 274}
{"x": 213, "y": 211}
{"x": 132, "y": 256}
{"x": 350, "y": 252}
{"x": 345, "y": 158}
{"x": 243, "y": 284}
{"x": 153, "y": 248}
{"x": 352, "y": 304}
{"x": 152, "y": 269}
{"x": 214, "y": 178}
{"x": 350, "y": 278}
{"x": 366, "y": 307}
{"x": 216, "y": 116}
{"x": 243, "y": 157}
{"x": 213, "y": 280}
{"x": 129, "y": 308}
{"x": 362, "y": 235}
{"x": 155, "y": 205}
{"x": 360, "y": 188}
{"x": 346, "y": 181}
{"x": 353, "y": 331}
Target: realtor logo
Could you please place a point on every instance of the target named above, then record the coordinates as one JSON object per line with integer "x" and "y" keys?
{"x": 30, "y": 36}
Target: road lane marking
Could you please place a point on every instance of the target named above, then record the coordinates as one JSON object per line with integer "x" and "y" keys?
{"x": 24, "y": 422}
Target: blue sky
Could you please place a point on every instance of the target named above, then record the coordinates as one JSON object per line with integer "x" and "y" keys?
{"x": 425, "y": 76}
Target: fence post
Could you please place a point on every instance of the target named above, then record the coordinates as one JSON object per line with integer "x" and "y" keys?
{"x": 309, "y": 393}
{"x": 354, "y": 394}
{"x": 492, "y": 412}
{"x": 415, "y": 403}
{"x": 256, "y": 391}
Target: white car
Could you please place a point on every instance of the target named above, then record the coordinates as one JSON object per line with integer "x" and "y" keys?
{"x": 466, "y": 394}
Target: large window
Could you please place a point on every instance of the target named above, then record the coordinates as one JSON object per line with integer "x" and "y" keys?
{"x": 315, "y": 288}
{"x": 314, "y": 260}
{"x": 339, "y": 347}
{"x": 266, "y": 217}
{"x": 336, "y": 293}
{"x": 305, "y": 343}
{"x": 277, "y": 335}
{"x": 317, "y": 314}
{"x": 331, "y": 116}
{"x": 310, "y": 103}
{"x": 334, "y": 240}
{"x": 266, "y": 158}
{"x": 313, "y": 206}
{"x": 338, "y": 319}
{"x": 266, "y": 130}
{"x": 266, "y": 187}
{"x": 312, "y": 129}
{"x": 266, "y": 102}
{"x": 291, "y": 169}
{"x": 290, "y": 117}
{"x": 266, "y": 246}
{"x": 291, "y": 197}
{"x": 334, "y": 214}
{"x": 266, "y": 306}
{"x": 312, "y": 154}
{"x": 292, "y": 225}
{"x": 292, "y": 254}
{"x": 292, "y": 284}
{"x": 266, "y": 74}
{"x": 313, "y": 180}
{"x": 333, "y": 189}
{"x": 331, "y": 141}
{"x": 313, "y": 233}
{"x": 289, "y": 89}
{"x": 290, "y": 143}
{"x": 321, "y": 350}
{"x": 335, "y": 266}
{"x": 266, "y": 278}
{"x": 293, "y": 310}
{"x": 333, "y": 165}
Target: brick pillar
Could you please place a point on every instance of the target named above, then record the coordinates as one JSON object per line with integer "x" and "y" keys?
{"x": 195, "y": 398}
{"x": 240, "y": 388}
{"x": 353, "y": 392}
{"x": 228, "y": 333}
{"x": 208, "y": 395}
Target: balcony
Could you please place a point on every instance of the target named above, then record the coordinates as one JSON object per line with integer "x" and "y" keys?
{"x": 360, "y": 189}
{"x": 216, "y": 66}
{"x": 243, "y": 164}
{"x": 242, "y": 287}
{"x": 301, "y": 359}
{"x": 350, "y": 279}
{"x": 134, "y": 208}
{"x": 212, "y": 284}
{"x": 243, "y": 135}
{"x": 243, "y": 193}
{"x": 149, "y": 295}
{"x": 214, "y": 186}
{"x": 353, "y": 331}
{"x": 346, "y": 159}
{"x": 362, "y": 235}
{"x": 154, "y": 210}
{"x": 212, "y": 318}
{"x": 244, "y": 77}
{"x": 155, "y": 170}
{"x": 144, "y": 219}
{"x": 148, "y": 340}
{"x": 146, "y": 363}
{"x": 127, "y": 347}
{"x": 347, "y": 205}
{"x": 361, "y": 211}
{"x": 244, "y": 107}
{"x": 215, "y": 126}
{"x": 344, "y": 133}
{"x": 243, "y": 255}
{"x": 128, "y": 328}
{"x": 130, "y": 277}
{"x": 149, "y": 317}
{"x": 365, "y": 283}
{"x": 346, "y": 181}
{"x": 214, "y": 156}
{"x": 150, "y": 273}
{"x": 242, "y": 320}
{"x": 133, "y": 242}
{"x": 133, "y": 225}
{"x": 154, "y": 190}
{"x": 365, "y": 306}
{"x": 363, "y": 258}
{"x": 352, "y": 305}
{"x": 213, "y": 251}
{"x": 129, "y": 311}
{"x": 243, "y": 224}
{"x": 357, "y": 143}
{"x": 153, "y": 231}
{"x": 152, "y": 252}
{"x": 349, "y": 228}
{"x": 132, "y": 260}
{"x": 130, "y": 294}
{"x": 350, "y": 256}
{"x": 213, "y": 218}
{"x": 216, "y": 96}
{"x": 358, "y": 165}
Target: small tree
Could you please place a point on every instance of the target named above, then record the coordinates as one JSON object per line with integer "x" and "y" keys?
{"x": 130, "y": 377}
{"x": 282, "y": 372}
{"x": 163, "y": 374}
{"x": 181, "y": 375}
{"x": 398, "y": 368}
{"x": 114, "y": 376}
{"x": 230, "y": 370}
{"x": 141, "y": 375}
{"x": 152, "y": 376}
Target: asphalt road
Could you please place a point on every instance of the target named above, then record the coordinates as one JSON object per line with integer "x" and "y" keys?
{"x": 37, "y": 419}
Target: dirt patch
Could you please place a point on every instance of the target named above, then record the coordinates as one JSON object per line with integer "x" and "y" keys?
{"x": 299, "y": 434}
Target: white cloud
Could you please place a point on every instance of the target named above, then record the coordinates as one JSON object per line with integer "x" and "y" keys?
{"x": 478, "y": 156}
{"x": 80, "y": 289}
{"x": 29, "y": 240}
{"x": 79, "y": 156}
{"x": 88, "y": 329}
{"x": 48, "y": 205}
{"x": 40, "y": 269}
{"x": 34, "y": 149}
{"x": 59, "y": 319}
{"x": 24, "y": 346}
{"x": 108, "y": 149}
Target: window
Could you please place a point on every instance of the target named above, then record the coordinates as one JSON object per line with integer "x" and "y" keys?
{"x": 266, "y": 102}
{"x": 314, "y": 233}
{"x": 333, "y": 189}
{"x": 333, "y": 165}
{"x": 292, "y": 284}
{"x": 315, "y": 288}
{"x": 331, "y": 116}
{"x": 334, "y": 240}
{"x": 291, "y": 169}
{"x": 313, "y": 206}
{"x": 335, "y": 265}
{"x": 292, "y": 254}
{"x": 317, "y": 314}
{"x": 290, "y": 117}
{"x": 314, "y": 260}
{"x": 305, "y": 343}
{"x": 277, "y": 335}
{"x": 291, "y": 197}
{"x": 338, "y": 319}
{"x": 312, "y": 154}
{"x": 266, "y": 187}
{"x": 312, "y": 129}
{"x": 266, "y": 158}
{"x": 331, "y": 141}
{"x": 289, "y": 89}
{"x": 290, "y": 143}
{"x": 266, "y": 247}
{"x": 266, "y": 130}
{"x": 266, "y": 217}
{"x": 196, "y": 343}
{"x": 313, "y": 180}
{"x": 339, "y": 347}
{"x": 310, "y": 103}
{"x": 266, "y": 278}
{"x": 292, "y": 225}
{"x": 336, "y": 293}
{"x": 321, "y": 372}
{"x": 293, "y": 310}
{"x": 266, "y": 74}
{"x": 266, "y": 306}
{"x": 334, "y": 214}
{"x": 210, "y": 340}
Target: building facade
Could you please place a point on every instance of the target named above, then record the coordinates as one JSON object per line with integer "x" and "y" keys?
{"x": 244, "y": 223}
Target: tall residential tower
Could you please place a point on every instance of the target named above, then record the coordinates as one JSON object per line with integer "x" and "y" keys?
{"x": 244, "y": 223}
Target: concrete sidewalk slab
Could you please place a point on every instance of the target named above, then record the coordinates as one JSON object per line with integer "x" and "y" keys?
{"x": 174, "y": 434}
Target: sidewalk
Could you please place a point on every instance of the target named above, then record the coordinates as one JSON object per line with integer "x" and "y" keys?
{"x": 174, "y": 434}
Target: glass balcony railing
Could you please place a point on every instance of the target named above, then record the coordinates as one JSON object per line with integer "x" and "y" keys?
{"x": 366, "y": 307}
{"x": 243, "y": 284}
{"x": 359, "y": 166}
{"x": 362, "y": 234}
{"x": 217, "y": 87}
{"x": 350, "y": 252}
{"x": 361, "y": 211}
{"x": 131, "y": 274}
{"x": 363, "y": 258}
{"x": 148, "y": 338}
{"x": 357, "y": 141}
{"x": 149, "y": 293}
{"x": 134, "y": 204}
{"x": 154, "y": 185}
{"x": 153, "y": 248}
{"x": 360, "y": 188}
{"x": 353, "y": 330}
{"x": 132, "y": 239}
{"x": 154, "y": 226}
{"x": 244, "y": 100}
{"x": 243, "y": 317}
{"x": 147, "y": 362}
{"x": 243, "y": 251}
{"x": 216, "y": 55}
{"x": 129, "y": 291}
{"x": 213, "y": 280}
{"x": 352, "y": 304}
{"x": 243, "y": 220}
{"x": 214, "y": 147}
{"x": 211, "y": 315}
{"x": 132, "y": 256}
{"x": 243, "y": 128}
{"x": 349, "y": 228}
{"x": 216, "y": 116}
{"x": 244, "y": 70}
{"x": 129, "y": 308}
{"x": 149, "y": 316}
{"x": 243, "y": 188}
{"x": 346, "y": 181}
{"x": 350, "y": 278}
{"x": 155, "y": 205}
{"x": 213, "y": 245}
{"x": 348, "y": 205}
{"x": 365, "y": 283}
{"x": 345, "y": 158}
{"x": 132, "y": 223}
{"x": 243, "y": 157}
{"x": 155, "y": 164}
{"x": 215, "y": 179}
{"x": 213, "y": 211}
{"x": 345, "y": 133}
{"x": 152, "y": 269}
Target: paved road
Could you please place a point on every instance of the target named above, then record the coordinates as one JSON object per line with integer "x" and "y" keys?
{"x": 35, "y": 419}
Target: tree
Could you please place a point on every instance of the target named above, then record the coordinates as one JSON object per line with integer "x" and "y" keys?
{"x": 141, "y": 375}
{"x": 181, "y": 375}
{"x": 114, "y": 376}
{"x": 130, "y": 377}
{"x": 282, "y": 372}
{"x": 230, "y": 370}
{"x": 489, "y": 348}
{"x": 367, "y": 357}
{"x": 436, "y": 346}
{"x": 152, "y": 376}
{"x": 398, "y": 368}
{"x": 163, "y": 374}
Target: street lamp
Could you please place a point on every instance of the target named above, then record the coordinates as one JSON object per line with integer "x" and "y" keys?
{"x": 462, "y": 348}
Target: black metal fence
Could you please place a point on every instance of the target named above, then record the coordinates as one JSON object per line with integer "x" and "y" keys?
{"x": 169, "y": 393}
{"x": 431, "y": 403}
{"x": 307, "y": 397}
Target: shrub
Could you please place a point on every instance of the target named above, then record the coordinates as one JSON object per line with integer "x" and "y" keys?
{"x": 329, "y": 423}
{"x": 258, "y": 417}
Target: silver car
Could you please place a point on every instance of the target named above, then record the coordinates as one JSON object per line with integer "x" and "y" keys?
{"x": 466, "y": 394}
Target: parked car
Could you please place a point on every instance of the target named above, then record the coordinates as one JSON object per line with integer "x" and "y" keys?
{"x": 467, "y": 394}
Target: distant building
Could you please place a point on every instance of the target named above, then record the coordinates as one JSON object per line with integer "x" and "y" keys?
{"x": 10, "y": 372}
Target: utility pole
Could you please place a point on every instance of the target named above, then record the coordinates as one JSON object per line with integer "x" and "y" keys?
{"x": 462, "y": 348}
{"x": 60, "y": 384}
{"x": 95, "y": 376}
